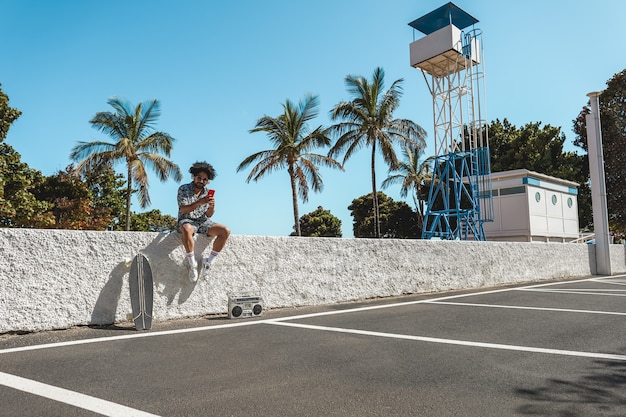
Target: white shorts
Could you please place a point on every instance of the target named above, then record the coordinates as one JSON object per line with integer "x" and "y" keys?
{"x": 199, "y": 226}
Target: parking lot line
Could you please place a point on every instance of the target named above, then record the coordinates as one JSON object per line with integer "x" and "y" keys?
{"x": 609, "y": 280}
{"x": 73, "y": 398}
{"x": 127, "y": 336}
{"x": 514, "y": 307}
{"x": 499, "y": 346}
{"x": 570, "y": 291}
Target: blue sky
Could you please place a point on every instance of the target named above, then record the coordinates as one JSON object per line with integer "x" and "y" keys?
{"x": 217, "y": 66}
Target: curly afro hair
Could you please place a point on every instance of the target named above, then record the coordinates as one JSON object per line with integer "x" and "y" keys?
{"x": 199, "y": 167}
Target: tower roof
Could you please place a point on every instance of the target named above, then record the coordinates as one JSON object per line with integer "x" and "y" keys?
{"x": 442, "y": 17}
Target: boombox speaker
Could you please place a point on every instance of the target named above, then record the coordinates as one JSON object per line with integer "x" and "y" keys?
{"x": 240, "y": 306}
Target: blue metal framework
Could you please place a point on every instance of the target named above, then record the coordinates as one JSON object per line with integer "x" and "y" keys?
{"x": 455, "y": 198}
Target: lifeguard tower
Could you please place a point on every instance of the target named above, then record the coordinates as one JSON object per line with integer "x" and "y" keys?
{"x": 451, "y": 59}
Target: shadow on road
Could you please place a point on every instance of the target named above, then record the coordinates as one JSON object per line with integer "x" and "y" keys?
{"x": 601, "y": 391}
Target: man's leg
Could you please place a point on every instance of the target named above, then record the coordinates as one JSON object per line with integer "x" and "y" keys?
{"x": 187, "y": 230}
{"x": 221, "y": 234}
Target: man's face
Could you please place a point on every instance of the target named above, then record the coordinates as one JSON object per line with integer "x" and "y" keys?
{"x": 200, "y": 180}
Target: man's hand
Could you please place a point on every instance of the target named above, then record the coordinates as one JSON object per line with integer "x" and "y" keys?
{"x": 210, "y": 201}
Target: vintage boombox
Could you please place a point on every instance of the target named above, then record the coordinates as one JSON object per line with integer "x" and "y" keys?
{"x": 240, "y": 306}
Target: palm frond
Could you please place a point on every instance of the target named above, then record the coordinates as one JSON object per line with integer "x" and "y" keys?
{"x": 139, "y": 177}
{"x": 148, "y": 114}
{"x": 121, "y": 106}
{"x": 110, "y": 124}
{"x": 349, "y": 143}
{"x": 269, "y": 161}
{"x": 323, "y": 160}
{"x": 163, "y": 167}
{"x": 157, "y": 142}
{"x": 84, "y": 149}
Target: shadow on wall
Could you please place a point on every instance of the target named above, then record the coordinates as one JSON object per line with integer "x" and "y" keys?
{"x": 106, "y": 305}
{"x": 165, "y": 254}
{"x": 591, "y": 249}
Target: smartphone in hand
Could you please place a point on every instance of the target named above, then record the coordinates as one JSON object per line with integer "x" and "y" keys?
{"x": 211, "y": 193}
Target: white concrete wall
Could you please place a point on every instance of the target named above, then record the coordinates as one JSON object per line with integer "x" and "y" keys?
{"x": 52, "y": 279}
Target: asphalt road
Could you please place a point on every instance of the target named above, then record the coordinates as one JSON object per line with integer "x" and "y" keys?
{"x": 550, "y": 349}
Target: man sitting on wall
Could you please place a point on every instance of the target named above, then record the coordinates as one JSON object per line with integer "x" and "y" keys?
{"x": 196, "y": 205}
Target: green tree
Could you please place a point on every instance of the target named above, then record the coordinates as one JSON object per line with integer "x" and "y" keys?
{"x": 94, "y": 201}
{"x": 8, "y": 115}
{"x": 135, "y": 142}
{"x": 367, "y": 121}
{"x": 293, "y": 145}
{"x": 412, "y": 175}
{"x": 18, "y": 205}
{"x": 320, "y": 223}
{"x": 613, "y": 125}
{"x": 585, "y": 208}
{"x": 70, "y": 199}
{"x": 539, "y": 149}
{"x": 152, "y": 221}
{"x": 108, "y": 195}
{"x": 397, "y": 219}
{"x": 532, "y": 147}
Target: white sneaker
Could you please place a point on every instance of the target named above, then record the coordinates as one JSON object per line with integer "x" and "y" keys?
{"x": 192, "y": 267}
{"x": 205, "y": 269}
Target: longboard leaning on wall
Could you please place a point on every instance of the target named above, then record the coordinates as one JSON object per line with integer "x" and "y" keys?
{"x": 141, "y": 292}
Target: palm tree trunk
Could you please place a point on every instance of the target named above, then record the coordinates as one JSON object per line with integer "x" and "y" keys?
{"x": 294, "y": 198}
{"x": 419, "y": 209}
{"x": 375, "y": 194}
{"x": 129, "y": 189}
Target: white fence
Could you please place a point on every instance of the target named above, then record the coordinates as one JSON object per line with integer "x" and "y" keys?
{"x": 54, "y": 279}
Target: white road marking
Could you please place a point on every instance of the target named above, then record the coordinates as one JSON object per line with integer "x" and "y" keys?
{"x": 569, "y": 291}
{"x": 76, "y": 399}
{"x": 585, "y": 289}
{"x": 606, "y": 281}
{"x": 125, "y": 337}
{"x": 512, "y": 307}
{"x": 457, "y": 342}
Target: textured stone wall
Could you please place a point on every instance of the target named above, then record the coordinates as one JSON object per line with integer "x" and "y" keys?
{"x": 52, "y": 279}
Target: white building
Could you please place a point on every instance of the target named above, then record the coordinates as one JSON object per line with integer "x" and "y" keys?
{"x": 531, "y": 207}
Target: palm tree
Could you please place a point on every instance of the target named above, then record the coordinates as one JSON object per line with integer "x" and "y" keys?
{"x": 368, "y": 122}
{"x": 412, "y": 175}
{"x": 293, "y": 143}
{"x": 135, "y": 142}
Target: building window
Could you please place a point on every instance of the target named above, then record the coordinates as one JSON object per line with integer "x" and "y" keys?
{"x": 512, "y": 190}
{"x": 554, "y": 199}
{"x": 537, "y": 196}
{"x": 570, "y": 202}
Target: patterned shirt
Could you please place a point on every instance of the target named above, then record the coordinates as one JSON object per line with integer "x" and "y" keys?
{"x": 187, "y": 195}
